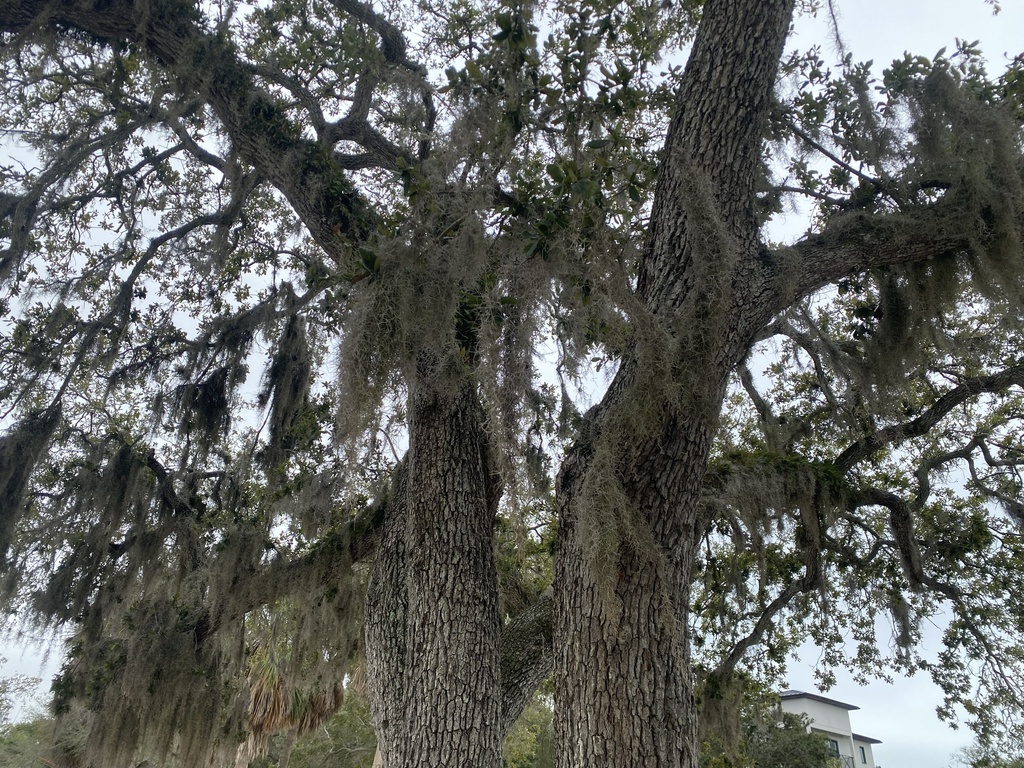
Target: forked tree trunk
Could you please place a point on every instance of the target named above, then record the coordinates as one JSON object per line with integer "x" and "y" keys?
{"x": 623, "y": 679}
{"x": 432, "y": 624}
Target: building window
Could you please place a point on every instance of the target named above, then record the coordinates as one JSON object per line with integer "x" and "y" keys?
{"x": 833, "y": 748}
{"x": 863, "y": 756}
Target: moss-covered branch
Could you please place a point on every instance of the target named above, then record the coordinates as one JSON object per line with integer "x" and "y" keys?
{"x": 329, "y": 562}
{"x": 855, "y": 243}
{"x": 172, "y": 33}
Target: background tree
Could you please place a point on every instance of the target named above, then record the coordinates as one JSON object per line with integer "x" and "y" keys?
{"x": 14, "y": 690}
{"x": 275, "y": 281}
{"x": 978, "y": 756}
{"x": 25, "y": 744}
{"x": 531, "y": 743}
{"x": 771, "y": 739}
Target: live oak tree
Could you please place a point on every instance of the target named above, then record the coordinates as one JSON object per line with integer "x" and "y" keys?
{"x": 277, "y": 278}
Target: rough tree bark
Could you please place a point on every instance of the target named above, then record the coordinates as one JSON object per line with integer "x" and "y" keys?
{"x": 623, "y": 684}
{"x": 432, "y": 626}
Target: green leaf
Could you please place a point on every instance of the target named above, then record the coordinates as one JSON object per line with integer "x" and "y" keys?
{"x": 369, "y": 259}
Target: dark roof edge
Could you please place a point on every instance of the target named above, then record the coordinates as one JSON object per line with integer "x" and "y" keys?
{"x": 866, "y": 739}
{"x": 816, "y": 697}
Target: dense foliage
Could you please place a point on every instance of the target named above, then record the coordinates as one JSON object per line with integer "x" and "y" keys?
{"x": 239, "y": 241}
{"x": 26, "y": 744}
{"x": 770, "y": 739}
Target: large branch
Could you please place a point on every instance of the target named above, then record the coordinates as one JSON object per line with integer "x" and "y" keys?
{"x": 896, "y": 434}
{"x": 703, "y": 213}
{"x": 328, "y": 562}
{"x": 859, "y": 242}
{"x": 171, "y": 32}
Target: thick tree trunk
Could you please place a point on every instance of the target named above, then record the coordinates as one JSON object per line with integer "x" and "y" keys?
{"x": 628, "y": 492}
{"x": 432, "y": 624}
{"x": 623, "y": 695}
{"x": 384, "y": 626}
{"x": 623, "y": 687}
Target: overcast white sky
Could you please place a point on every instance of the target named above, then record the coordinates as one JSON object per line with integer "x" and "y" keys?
{"x": 902, "y": 714}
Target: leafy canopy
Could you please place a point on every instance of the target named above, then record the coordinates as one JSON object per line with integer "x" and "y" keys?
{"x": 229, "y": 234}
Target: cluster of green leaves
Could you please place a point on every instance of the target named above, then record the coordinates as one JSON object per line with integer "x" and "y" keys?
{"x": 851, "y": 148}
{"x": 768, "y": 738}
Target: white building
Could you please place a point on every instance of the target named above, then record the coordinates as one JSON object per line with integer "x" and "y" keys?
{"x": 831, "y": 718}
